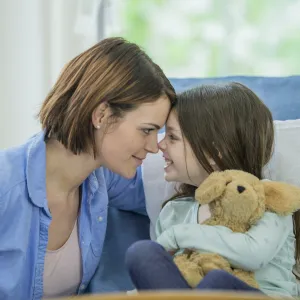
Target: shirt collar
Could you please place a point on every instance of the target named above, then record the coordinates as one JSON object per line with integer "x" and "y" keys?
{"x": 36, "y": 172}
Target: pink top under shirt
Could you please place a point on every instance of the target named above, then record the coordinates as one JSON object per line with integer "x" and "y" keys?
{"x": 63, "y": 268}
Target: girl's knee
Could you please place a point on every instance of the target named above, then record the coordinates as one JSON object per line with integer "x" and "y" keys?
{"x": 218, "y": 274}
{"x": 141, "y": 248}
{"x": 139, "y": 251}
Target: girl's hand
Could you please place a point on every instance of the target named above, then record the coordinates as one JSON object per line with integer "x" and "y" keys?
{"x": 172, "y": 252}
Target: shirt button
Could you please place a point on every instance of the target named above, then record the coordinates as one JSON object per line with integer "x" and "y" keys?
{"x": 100, "y": 219}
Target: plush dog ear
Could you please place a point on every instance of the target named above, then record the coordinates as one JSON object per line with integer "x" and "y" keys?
{"x": 281, "y": 198}
{"x": 211, "y": 188}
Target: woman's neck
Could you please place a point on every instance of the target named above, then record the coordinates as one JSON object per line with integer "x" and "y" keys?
{"x": 66, "y": 171}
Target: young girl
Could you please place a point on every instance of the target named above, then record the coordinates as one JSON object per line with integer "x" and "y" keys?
{"x": 216, "y": 127}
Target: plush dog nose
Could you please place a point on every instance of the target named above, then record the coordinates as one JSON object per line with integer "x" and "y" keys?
{"x": 240, "y": 189}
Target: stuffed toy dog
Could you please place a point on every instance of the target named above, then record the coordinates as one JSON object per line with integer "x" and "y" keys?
{"x": 237, "y": 200}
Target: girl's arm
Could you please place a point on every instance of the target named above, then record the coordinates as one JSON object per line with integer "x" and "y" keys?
{"x": 250, "y": 251}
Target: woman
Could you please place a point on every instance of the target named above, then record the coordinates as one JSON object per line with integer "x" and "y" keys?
{"x": 99, "y": 122}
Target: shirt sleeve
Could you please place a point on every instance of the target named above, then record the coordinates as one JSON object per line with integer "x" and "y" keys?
{"x": 11, "y": 258}
{"x": 172, "y": 213}
{"x": 126, "y": 194}
{"x": 250, "y": 251}
{"x": 159, "y": 228}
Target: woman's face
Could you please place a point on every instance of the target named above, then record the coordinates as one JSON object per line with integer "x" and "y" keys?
{"x": 181, "y": 164}
{"x": 126, "y": 143}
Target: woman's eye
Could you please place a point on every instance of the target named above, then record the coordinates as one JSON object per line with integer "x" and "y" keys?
{"x": 147, "y": 131}
{"x": 171, "y": 137}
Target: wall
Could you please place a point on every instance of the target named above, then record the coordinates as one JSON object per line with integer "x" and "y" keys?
{"x": 37, "y": 39}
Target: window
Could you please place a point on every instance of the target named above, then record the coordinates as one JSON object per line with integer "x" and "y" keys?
{"x": 204, "y": 38}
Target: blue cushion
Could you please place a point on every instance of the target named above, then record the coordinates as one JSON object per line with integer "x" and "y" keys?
{"x": 281, "y": 95}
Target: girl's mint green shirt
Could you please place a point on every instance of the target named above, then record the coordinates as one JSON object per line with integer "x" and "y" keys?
{"x": 267, "y": 248}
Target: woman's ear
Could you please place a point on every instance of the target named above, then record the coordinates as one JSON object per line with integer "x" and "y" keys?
{"x": 100, "y": 114}
{"x": 281, "y": 198}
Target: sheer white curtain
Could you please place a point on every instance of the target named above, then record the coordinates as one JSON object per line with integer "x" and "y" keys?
{"x": 37, "y": 39}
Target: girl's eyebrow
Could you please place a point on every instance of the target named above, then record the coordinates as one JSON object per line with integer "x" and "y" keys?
{"x": 171, "y": 128}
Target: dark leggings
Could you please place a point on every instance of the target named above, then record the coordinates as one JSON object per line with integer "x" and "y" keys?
{"x": 152, "y": 268}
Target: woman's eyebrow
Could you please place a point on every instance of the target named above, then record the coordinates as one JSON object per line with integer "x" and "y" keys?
{"x": 154, "y": 125}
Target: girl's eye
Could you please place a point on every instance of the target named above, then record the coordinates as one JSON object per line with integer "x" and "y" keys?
{"x": 173, "y": 138}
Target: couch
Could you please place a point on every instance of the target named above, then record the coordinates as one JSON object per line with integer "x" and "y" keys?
{"x": 281, "y": 95}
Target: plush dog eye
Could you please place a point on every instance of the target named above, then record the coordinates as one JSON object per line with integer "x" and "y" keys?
{"x": 240, "y": 189}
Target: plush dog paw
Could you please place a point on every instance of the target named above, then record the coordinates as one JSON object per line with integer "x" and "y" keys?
{"x": 190, "y": 271}
{"x": 210, "y": 261}
{"x": 247, "y": 277}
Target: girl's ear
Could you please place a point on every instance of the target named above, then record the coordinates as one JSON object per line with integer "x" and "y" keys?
{"x": 281, "y": 198}
{"x": 212, "y": 163}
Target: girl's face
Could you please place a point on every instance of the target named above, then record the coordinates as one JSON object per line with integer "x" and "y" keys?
{"x": 181, "y": 164}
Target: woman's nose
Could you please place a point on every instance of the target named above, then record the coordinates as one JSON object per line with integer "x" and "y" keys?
{"x": 162, "y": 145}
{"x": 152, "y": 146}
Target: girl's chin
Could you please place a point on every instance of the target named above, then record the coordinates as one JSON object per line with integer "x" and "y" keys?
{"x": 170, "y": 176}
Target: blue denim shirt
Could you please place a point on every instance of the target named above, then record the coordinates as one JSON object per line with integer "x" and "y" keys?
{"x": 25, "y": 217}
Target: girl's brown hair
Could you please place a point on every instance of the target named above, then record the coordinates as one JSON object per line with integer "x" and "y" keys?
{"x": 229, "y": 123}
{"x": 115, "y": 71}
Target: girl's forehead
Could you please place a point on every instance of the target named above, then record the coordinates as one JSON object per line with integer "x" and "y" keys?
{"x": 172, "y": 119}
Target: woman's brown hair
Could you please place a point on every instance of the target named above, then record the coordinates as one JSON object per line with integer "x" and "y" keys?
{"x": 229, "y": 123}
{"x": 115, "y": 71}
